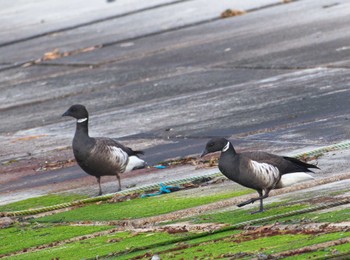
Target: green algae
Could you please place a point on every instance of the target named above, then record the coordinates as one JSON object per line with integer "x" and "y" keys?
{"x": 239, "y": 215}
{"x": 138, "y": 208}
{"x": 20, "y": 237}
{"x": 42, "y": 201}
{"x": 98, "y": 246}
{"x": 245, "y": 248}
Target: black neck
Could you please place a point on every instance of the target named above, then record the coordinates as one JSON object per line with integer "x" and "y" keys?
{"x": 230, "y": 151}
{"x": 82, "y": 128}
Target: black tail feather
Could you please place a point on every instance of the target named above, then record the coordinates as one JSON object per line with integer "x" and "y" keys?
{"x": 302, "y": 165}
{"x": 131, "y": 152}
{"x": 138, "y": 152}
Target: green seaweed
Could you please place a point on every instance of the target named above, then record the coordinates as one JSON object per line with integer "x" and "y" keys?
{"x": 231, "y": 246}
{"x": 339, "y": 252}
{"x": 42, "y": 201}
{"x": 138, "y": 208}
{"x": 103, "y": 245}
{"x": 240, "y": 215}
{"x": 21, "y": 237}
{"x": 333, "y": 216}
{"x": 125, "y": 245}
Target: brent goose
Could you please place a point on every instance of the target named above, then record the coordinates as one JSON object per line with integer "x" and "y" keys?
{"x": 260, "y": 171}
{"x": 100, "y": 156}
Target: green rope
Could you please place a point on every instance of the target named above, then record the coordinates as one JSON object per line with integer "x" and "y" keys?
{"x": 150, "y": 187}
{"x": 318, "y": 151}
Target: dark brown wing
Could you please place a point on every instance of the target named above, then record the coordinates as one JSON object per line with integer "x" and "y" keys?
{"x": 284, "y": 164}
{"x": 111, "y": 142}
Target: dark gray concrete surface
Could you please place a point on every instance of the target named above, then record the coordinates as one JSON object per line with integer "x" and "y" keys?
{"x": 164, "y": 76}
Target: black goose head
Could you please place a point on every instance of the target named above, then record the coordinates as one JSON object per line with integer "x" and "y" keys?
{"x": 77, "y": 111}
{"x": 215, "y": 145}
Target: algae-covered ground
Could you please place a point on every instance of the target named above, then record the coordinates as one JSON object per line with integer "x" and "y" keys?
{"x": 188, "y": 227}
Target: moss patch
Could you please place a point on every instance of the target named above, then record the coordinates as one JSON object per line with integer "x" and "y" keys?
{"x": 204, "y": 247}
{"x": 239, "y": 215}
{"x": 138, "y": 208}
{"x": 90, "y": 248}
{"x": 39, "y": 202}
{"x": 341, "y": 251}
{"x": 18, "y": 238}
{"x": 119, "y": 243}
{"x": 169, "y": 246}
{"x": 333, "y": 216}
{"x": 243, "y": 247}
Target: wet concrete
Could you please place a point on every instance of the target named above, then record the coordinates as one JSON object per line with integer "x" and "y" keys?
{"x": 267, "y": 81}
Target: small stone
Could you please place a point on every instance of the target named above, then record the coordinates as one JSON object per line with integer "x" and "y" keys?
{"x": 155, "y": 257}
{"x": 6, "y": 222}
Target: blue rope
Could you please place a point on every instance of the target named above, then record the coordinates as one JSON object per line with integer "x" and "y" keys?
{"x": 163, "y": 189}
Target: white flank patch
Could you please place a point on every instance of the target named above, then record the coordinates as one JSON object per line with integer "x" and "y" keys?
{"x": 226, "y": 147}
{"x": 119, "y": 154}
{"x": 267, "y": 171}
{"x": 134, "y": 162}
{"x": 82, "y": 120}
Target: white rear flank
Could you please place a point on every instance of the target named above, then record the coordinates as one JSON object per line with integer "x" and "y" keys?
{"x": 134, "y": 163}
{"x": 293, "y": 178}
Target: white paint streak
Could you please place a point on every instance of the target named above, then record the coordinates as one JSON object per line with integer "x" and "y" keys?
{"x": 344, "y": 48}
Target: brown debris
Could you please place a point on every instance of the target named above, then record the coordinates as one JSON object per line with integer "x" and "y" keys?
{"x": 6, "y": 222}
{"x": 49, "y": 166}
{"x": 21, "y": 166}
{"x": 305, "y": 157}
{"x": 27, "y": 138}
{"x": 189, "y": 227}
{"x": 313, "y": 248}
{"x": 175, "y": 230}
{"x": 181, "y": 161}
{"x": 232, "y": 12}
{"x": 52, "y": 55}
{"x": 56, "y": 53}
{"x": 114, "y": 240}
{"x": 304, "y": 228}
{"x": 212, "y": 162}
{"x": 120, "y": 198}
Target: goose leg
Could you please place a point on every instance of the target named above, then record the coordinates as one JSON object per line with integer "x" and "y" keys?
{"x": 119, "y": 183}
{"x": 261, "y": 197}
{"x": 99, "y": 185}
{"x": 252, "y": 200}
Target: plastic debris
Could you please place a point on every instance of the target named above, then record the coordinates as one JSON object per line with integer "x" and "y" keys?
{"x": 163, "y": 189}
{"x": 160, "y": 166}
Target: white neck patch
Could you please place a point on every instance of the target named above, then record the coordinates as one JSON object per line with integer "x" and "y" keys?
{"x": 81, "y": 120}
{"x": 226, "y": 147}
